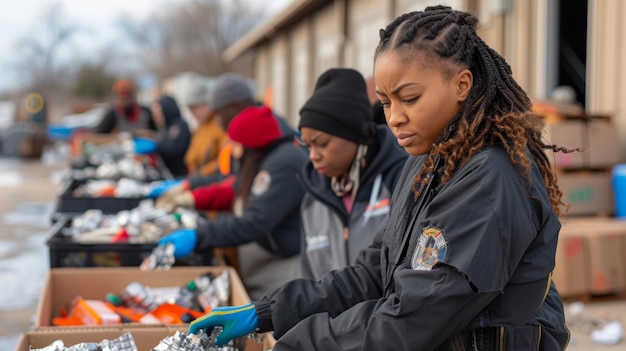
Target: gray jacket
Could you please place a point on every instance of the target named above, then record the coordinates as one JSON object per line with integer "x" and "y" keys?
{"x": 325, "y": 220}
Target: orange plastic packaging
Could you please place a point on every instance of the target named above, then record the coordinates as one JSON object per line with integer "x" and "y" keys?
{"x": 88, "y": 312}
{"x": 173, "y": 314}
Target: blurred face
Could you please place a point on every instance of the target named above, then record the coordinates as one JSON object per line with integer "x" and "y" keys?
{"x": 419, "y": 99}
{"x": 200, "y": 112}
{"x": 123, "y": 99}
{"x": 330, "y": 155}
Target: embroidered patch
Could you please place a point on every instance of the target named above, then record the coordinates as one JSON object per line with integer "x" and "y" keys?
{"x": 261, "y": 183}
{"x": 431, "y": 248}
{"x": 317, "y": 242}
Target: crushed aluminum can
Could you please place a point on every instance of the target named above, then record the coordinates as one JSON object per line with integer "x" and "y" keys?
{"x": 161, "y": 258}
{"x": 199, "y": 342}
{"x": 124, "y": 343}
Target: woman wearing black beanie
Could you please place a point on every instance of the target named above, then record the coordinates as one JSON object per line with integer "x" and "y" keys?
{"x": 353, "y": 170}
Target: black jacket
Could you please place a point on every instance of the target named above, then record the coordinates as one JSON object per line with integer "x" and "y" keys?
{"x": 480, "y": 255}
{"x": 271, "y": 217}
{"x": 174, "y": 139}
{"x": 134, "y": 118}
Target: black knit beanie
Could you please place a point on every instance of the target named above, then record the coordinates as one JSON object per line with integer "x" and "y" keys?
{"x": 339, "y": 106}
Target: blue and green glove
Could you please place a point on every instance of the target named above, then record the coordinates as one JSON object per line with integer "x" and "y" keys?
{"x": 184, "y": 241}
{"x": 237, "y": 321}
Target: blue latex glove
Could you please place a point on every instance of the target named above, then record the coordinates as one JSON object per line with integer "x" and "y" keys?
{"x": 184, "y": 241}
{"x": 144, "y": 146}
{"x": 237, "y": 321}
{"x": 163, "y": 187}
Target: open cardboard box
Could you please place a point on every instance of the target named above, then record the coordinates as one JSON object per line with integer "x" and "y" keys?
{"x": 145, "y": 338}
{"x": 62, "y": 285}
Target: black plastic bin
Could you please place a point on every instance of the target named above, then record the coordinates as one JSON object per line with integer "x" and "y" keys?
{"x": 64, "y": 252}
{"x": 70, "y": 205}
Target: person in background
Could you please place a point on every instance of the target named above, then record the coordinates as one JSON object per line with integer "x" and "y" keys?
{"x": 208, "y": 138}
{"x": 126, "y": 114}
{"x": 172, "y": 137}
{"x": 231, "y": 93}
{"x": 354, "y": 168}
{"x": 265, "y": 204}
{"x": 465, "y": 260}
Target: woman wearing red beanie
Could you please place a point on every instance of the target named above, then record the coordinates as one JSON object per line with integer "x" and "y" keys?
{"x": 264, "y": 204}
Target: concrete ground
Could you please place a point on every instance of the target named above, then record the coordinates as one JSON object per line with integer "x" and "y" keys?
{"x": 28, "y": 190}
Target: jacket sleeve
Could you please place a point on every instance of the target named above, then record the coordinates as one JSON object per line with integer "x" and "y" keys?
{"x": 427, "y": 307}
{"x": 398, "y": 322}
{"x": 263, "y": 212}
{"x": 283, "y": 307}
{"x": 215, "y": 197}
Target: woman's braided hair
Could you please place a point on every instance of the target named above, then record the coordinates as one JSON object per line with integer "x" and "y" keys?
{"x": 497, "y": 110}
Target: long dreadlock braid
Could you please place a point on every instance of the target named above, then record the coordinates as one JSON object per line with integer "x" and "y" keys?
{"x": 497, "y": 110}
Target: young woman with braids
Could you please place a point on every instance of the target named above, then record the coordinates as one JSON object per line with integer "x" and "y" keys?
{"x": 465, "y": 259}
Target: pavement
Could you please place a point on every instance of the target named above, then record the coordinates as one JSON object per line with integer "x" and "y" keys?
{"x": 28, "y": 191}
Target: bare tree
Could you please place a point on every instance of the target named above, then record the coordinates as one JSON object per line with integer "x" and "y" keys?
{"x": 191, "y": 35}
{"x": 40, "y": 61}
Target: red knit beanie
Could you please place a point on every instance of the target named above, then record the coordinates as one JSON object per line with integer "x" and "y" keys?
{"x": 255, "y": 127}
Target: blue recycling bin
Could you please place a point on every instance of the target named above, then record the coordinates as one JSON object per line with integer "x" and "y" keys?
{"x": 619, "y": 190}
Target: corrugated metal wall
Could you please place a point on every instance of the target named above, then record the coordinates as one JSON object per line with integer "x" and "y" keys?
{"x": 606, "y": 71}
{"x": 404, "y": 6}
{"x": 279, "y": 74}
{"x": 300, "y": 75}
{"x": 365, "y": 18}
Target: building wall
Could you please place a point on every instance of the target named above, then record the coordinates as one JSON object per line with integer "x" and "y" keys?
{"x": 300, "y": 75}
{"x": 345, "y": 34}
{"x": 365, "y": 18}
{"x": 262, "y": 73}
{"x": 327, "y": 39}
{"x": 404, "y": 6}
{"x": 279, "y": 73}
{"x": 606, "y": 72}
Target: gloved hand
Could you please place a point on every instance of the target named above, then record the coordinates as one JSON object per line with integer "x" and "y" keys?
{"x": 163, "y": 187}
{"x": 237, "y": 321}
{"x": 176, "y": 199}
{"x": 144, "y": 146}
{"x": 184, "y": 241}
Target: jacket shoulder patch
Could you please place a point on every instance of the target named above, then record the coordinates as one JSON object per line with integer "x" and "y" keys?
{"x": 261, "y": 183}
{"x": 431, "y": 248}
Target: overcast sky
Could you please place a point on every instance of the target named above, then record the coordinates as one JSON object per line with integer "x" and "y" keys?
{"x": 21, "y": 17}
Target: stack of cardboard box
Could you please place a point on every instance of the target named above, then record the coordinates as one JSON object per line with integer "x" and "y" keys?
{"x": 585, "y": 176}
{"x": 591, "y": 248}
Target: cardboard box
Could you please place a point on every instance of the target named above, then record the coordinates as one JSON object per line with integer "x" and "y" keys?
{"x": 588, "y": 193}
{"x": 602, "y": 149}
{"x": 604, "y": 241}
{"x": 569, "y": 134}
{"x": 606, "y": 271}
{"x": 571, "y": 269}
{"x": 62, "y": 285}
{"x": 145, "y": 338}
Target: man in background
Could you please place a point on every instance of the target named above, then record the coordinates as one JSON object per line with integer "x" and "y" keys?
{"x": 125, "y": 114}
